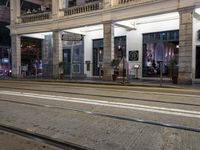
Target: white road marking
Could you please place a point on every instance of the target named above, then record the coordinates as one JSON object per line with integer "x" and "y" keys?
{"x": 158, "y": 93}
{"x": 146, "y": 92}
{"x": 162, "y": 110}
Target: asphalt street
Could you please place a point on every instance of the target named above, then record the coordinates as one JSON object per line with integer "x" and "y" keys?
{"x": 104, "y": 116}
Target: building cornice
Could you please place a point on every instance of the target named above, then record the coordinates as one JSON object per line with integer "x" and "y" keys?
{"x": 98, "y": 17}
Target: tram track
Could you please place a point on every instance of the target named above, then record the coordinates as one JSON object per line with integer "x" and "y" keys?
{"x": 104, "y": 96}
{"x": 111, "y": 116}
{"x": 42, "y": 138}
{"x": 111, "y": 87}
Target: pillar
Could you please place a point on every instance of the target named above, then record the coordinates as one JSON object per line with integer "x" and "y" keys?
{"x": 106, "y": 4}
{"x": 15, "y": 11}
{"x": 185, "y": 45}
{"x": 57, "y": 53}
{"x": 108, "y": 55}
{"x": 57, "y": 8}
{"x": 16, "y": 55}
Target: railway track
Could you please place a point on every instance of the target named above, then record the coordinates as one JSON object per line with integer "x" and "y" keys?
{"x": 42, "y": 138}
{"x": 104, "y": 96}
{"x": 124, "y": 118}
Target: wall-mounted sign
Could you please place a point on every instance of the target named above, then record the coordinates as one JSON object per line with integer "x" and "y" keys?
{"x": 198, "y": 35}
{"x": 133, "y": 55}
{"x": 72, "y": 37}
{"x": 87, "y": 65}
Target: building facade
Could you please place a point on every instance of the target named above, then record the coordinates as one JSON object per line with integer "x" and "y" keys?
{"x": 85, "y": 36}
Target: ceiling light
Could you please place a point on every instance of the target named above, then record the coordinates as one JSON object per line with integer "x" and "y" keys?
{"x": 197, "y": 11}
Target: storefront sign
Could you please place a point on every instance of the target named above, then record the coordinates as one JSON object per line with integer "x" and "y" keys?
{"x": 72, "y": 37}
{"x": 133, "y": 55}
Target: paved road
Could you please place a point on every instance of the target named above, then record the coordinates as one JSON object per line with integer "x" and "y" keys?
{"x": 105, "y": 117}
{"x": 10, "y": 141}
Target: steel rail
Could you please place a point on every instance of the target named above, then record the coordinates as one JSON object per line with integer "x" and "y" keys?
{"x": 132, "y": 119}
{"x": 42, "y": 138}
{"x": 106, "y": 96}
{"x": 90, "y": 84}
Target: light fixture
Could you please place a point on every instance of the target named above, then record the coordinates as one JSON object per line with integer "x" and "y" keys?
{"x": 133, "y": 24}
{"x": 197, "y": 11}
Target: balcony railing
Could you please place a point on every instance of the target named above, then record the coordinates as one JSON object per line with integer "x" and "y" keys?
{"x": 135, "y": 2}
{"x": 93, "y": 6}
{"x": 35, "y": 17}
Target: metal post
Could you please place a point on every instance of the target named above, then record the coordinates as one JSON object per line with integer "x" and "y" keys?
{"x": 9, "y": 67}
{"x": 36, "y": 71}
{"x": 122, "y": 52}
{"x": 19, "y": 72}
{"x": 71, "y": 60}
{"x": 123, "y": 68}
{"x": 161, "y": 69}
{"x": 3, "y": 62}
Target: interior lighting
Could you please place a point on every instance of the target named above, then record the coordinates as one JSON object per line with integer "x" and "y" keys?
{"x": 197, "y": 11}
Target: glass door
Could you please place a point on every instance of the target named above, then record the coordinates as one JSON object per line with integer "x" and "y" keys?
{"x": 67, "y": 61}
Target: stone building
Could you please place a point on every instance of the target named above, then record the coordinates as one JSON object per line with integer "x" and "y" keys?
{"x": 86, "y": 35}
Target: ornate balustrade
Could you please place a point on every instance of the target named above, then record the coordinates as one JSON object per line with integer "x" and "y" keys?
{"x": 88, "y": 7}
{"x": 35, "y": 17}
{"x": 134, "y": 2}
{"x": 85, "y": 8}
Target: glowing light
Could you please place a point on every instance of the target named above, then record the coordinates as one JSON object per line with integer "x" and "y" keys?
{"x": 197, "y": 11}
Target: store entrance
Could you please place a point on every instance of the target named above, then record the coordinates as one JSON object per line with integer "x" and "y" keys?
{"x": 31, "y": 56}
{"x": 119, "y": 53}
{"x": 198, "y": 62}
{"x": 67, "y": 61}
{"x": 97, "y": 56}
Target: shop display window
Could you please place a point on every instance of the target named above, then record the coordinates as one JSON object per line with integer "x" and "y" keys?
{"x": 159, "y": 49}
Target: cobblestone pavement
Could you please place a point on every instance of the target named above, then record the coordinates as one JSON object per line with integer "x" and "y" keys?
{"x": 71, "y": 113}
{"x": 13, "y": 142}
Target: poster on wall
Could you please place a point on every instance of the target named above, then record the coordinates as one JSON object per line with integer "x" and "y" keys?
{"x": 133, "y": 55}
{"x": 198, "y": 35}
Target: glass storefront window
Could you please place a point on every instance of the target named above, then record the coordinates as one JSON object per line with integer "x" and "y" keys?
{"x": 163, "y": 48}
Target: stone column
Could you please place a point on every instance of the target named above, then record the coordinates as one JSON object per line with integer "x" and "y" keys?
{"x": 15, "y": 11}
{"x": 107, "y": 3}
{"x": 57, "y": 8}
{"x": 57, "y": 53}
{"x": 108, "y": 54}
{"x": 16, "y": 55}
{"x": 185, "y": 45}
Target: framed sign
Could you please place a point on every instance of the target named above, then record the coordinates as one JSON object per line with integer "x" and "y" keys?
{"x": 133, "y": 55}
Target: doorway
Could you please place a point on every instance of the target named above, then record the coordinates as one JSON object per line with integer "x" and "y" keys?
{"x": 119, "y": 52}
{"x": 67, "y": 61}
{"x": 97, "y": 56}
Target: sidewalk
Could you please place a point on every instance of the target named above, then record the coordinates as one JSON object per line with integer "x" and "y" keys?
{"x": 140, "y": 82}
{"x": 165, "y": 83}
